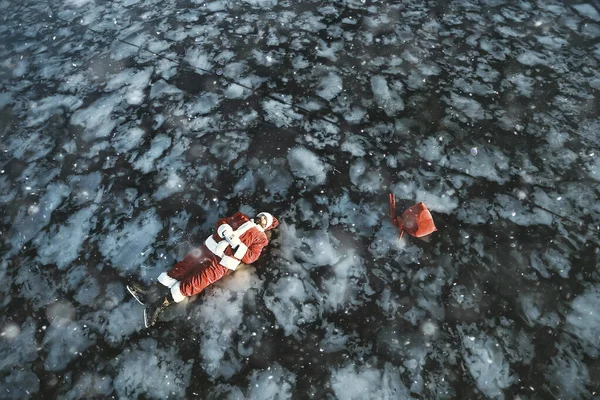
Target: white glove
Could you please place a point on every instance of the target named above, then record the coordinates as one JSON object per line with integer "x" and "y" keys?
{"x": 234, "y": 241}
{"x": 225, "y": 231}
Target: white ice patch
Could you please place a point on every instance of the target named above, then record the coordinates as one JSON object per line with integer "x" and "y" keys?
{"x": 389, "y": 99}
{"x": 78, "y": 3}
{"x": 218, "y": 318}
{"x": 531, "y": 58}
{"x": 127, "y": 138}
{"x": 328, "y": 51}
{"x": 61, "y": 245}
{"x": 514, "y": 210}
{"x": 5, "y": 99}
{"x": 568, "y": 374}
{"x": 64, "y": 343}
{"x": 29, "y": 221}
{"x": 587, "y": 10}
{"x": 551, "y": 261}
{"x": 348, "y": 285}
{"x": 128, "y": 246}
{"x": 279, "y": 113}
{"x": 204, "y": 105}
{"x": 330, "y": 86}
{"x": 290, "y": 303}
{"x": 151, "y": 371}
{"x": 489, "y": 163}
{"x": 146, "y": 162}
{"x": 199, "y": 59}
{"x": 162, "y": 88}
{"x": 90, "y": 385}
{"x": 365, "y": 178}
{"x": 468, "y": 106}
{"x": 583, "y": 320}
{"x": 261, "y": 3}
{"x": 314, "y": 248}
{"x": 354, "y": 382}
{"x": 229, "y": 146}
{"x": 96, "y": 118}
{"x": 172, "y": 184}
{"x": 431, "y": 149}
{"x": 307, "y": 165}
{"x": 523, "y": 84}
{"x": 40, "y": 111}
{"x": 275, "y": 382}
{"x": 117, "y": 324}
{"x": 485, "y": 362}
{"x": 20, "y": 349}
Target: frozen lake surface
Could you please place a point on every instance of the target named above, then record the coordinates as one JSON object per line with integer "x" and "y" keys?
{"x": 129, "y": 126}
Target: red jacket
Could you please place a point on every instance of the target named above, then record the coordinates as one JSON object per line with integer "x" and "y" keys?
{"x": 248, "y": 240}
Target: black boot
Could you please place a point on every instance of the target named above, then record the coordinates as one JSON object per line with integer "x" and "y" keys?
{"x": 138, "y": 292}
{"x": 153, "y": 311}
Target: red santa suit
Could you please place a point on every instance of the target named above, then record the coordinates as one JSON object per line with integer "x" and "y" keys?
{"x": 236, "y": 240}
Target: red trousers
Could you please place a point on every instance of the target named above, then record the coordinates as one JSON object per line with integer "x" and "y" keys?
{"x": 197, "y": 270}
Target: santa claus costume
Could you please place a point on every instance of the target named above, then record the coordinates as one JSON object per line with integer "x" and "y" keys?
{"x": 236, "y": 239}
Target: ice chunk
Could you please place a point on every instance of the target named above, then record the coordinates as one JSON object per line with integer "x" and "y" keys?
{"x": 485, "y": 362}
{"x": 90, "y": 385}
{"x": 205, "y": 103}
{"x": 348, "y": 285}
{"x": 96, "y": 118}
{"x": 587, "y": 10}
{"x": 279, "y": 113}
{"x": 365, "y": 178}
{"x": 289, "y": 300}
{"x": 551, "y": 260}
{"x": 583, "y": 320}
{"x": 229, "y": 146}
{"x": 218, "y": 319}
{"x": 127, "y": 247}
{"x": 468, "y": 106}
{"x": 19, "y": 348}
{"x": 273, "y": 383}
{"x": 568, "y": 374}
{"x": 307, "y": 165}
{"x": 145, "y": 162}
{"x": 148, "y": 370}
{"x": 127, "y": 137}
{"x": 389, "y": 99}
{"x": 315, "y": 248}
{"x": 64, "y": 343}
{"x": 362, "y": 382}
{"x": 20, "y": 384}
{"x": 162, "y": 88}
{"x": 118, "y": 324}
{"x": 200, "y": 60}
{"x": 330, "y": 86}
{"x": 61, "y": 245}
{"x": 262, "y": 3}
{"x": 29, "y": 221}
{"x": 40, "y": 111}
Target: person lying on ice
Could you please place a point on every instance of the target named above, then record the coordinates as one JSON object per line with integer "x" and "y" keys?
{"x": 237, "y": 239}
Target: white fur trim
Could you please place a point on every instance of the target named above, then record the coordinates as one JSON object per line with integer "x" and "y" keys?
{"x": 223, "y": 229}
{"x": 217, "y": 248}
{"x": 241, "y": 251}
{"x": 229, "y": 262}
{"x": 166, "y": 280}
{"x": 235, "y": 241}
{"x": 176, "y": 292}
{"x": 245, "y": 227}
{"x": 269, "y": 218}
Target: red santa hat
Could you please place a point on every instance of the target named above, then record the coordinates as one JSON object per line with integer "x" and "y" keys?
{"x": 272, "y": 222}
